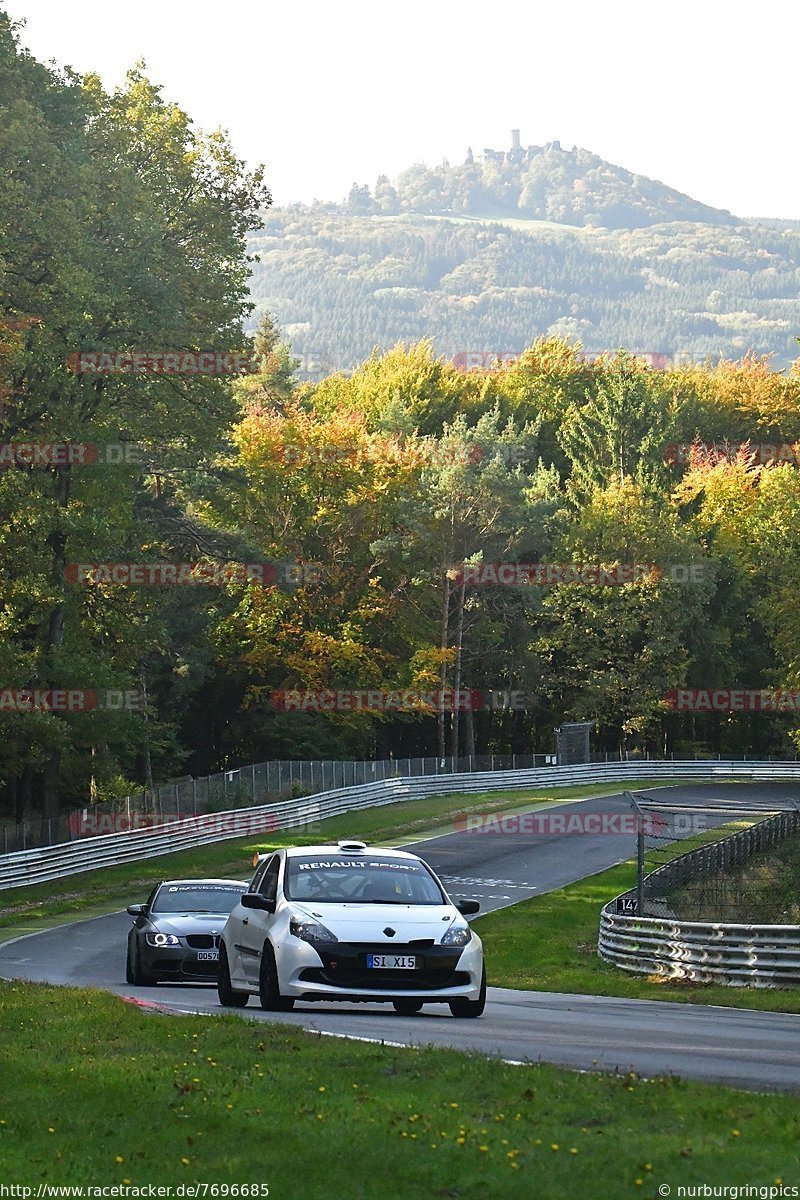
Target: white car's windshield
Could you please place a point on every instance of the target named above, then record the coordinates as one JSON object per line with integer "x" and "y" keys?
{"x": 367, "y": 880}
{"x": 205, "y": 897}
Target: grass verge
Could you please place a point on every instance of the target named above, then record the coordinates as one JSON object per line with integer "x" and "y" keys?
{"x": 93, "y": 893}
{"x": 762, "y": 891}
{"x": 111, "y": 1095}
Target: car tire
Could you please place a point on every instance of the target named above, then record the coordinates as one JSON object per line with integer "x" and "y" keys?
{"x": 407, "y": 1008}
{"x": 228, "y": 998}
{"x": 134, "y": 971}
{"x": 462, "y": 1007}
{"x": 268, "y": 984}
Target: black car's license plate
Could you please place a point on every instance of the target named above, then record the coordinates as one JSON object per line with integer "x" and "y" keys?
{"x": 392, "y": 962}
{"x": 208, "y": 955}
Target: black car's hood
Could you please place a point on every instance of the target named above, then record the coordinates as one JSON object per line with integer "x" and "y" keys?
{"x": 182, "y": 924}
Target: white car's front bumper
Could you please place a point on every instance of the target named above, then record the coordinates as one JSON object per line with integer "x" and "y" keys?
{"x": 339, "y": 971}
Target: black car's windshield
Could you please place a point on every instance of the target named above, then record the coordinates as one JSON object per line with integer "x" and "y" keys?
{"x": 196, "y": 897}
{"x": 367, "y": 880}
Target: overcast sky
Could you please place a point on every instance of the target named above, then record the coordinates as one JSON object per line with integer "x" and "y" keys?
{"x": 697, "y": 93}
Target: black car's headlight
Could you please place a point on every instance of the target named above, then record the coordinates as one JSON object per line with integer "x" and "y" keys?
{"x": 310, "y": 931}
{"x": 457, "y": 935}
{"x": 162, "y": 939}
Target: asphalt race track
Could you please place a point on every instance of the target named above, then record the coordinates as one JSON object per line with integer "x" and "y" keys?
{"x": 755, "y": 1050}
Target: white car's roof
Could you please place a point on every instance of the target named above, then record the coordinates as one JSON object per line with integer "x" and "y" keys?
{"x": 202, "y": 882}
{"x": 347, "y": 850}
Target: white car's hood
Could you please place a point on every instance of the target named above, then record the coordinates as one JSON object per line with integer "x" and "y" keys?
{"x": 368, "y": 922}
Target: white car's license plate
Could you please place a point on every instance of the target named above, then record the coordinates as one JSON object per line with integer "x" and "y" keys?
{"x": 392, "y": 962}
{"x": 208, "y": 955}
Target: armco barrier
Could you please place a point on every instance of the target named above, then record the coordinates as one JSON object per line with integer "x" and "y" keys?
{"x": 706, "y": 951}
{"x": 70, "y": 858}
{"x": 702, "y": 951}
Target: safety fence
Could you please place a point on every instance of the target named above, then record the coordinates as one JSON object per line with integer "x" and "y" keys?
{"x": 258, "y": 784}
{"x": 636, "y": 937}
{"x": 177, "y": 833}
{"x": 243, "y": 787}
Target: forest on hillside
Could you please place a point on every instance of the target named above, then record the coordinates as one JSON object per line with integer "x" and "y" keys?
{"x": 328, "y": 533}
{"x": 342, "y": 284}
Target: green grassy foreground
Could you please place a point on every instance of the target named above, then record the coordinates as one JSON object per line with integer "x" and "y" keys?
{"x": 96, "y": 892}
{"x": 105, "y": 1093}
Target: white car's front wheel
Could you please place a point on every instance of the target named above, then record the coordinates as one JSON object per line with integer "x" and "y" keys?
{"x": 407, "y": 1008}
{"x": 227, "y": 996}
{"x": 462, "y": 1007}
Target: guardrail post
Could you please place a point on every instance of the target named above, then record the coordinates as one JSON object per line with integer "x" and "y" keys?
{"x": 640, "y": 865}
{"x": 639, "y": 854}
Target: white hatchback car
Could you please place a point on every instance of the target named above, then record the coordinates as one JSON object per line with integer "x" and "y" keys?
{"x": 349, "y": 923}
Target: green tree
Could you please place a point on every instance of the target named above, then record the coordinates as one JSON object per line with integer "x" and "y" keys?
{"x": 128, "y": 232}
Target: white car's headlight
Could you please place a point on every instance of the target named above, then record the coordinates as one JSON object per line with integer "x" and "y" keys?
{"x": 310, "y": 931}
{"x": 457, "y": 935}
{"x": 162, "y": 939}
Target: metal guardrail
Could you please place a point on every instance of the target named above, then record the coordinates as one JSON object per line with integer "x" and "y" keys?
{"x": 71, "y": 858}
{"x": 703, "y": 951}
{"x": 724, "y": 952}
{"x": 246, "y": 786}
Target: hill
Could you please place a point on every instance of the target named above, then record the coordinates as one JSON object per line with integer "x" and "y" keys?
{"x": 531, "y": 241}
{"x": 545, "y": 183}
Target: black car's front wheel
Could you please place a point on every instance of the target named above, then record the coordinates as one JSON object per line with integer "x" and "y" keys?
{"x": 134, "y": 971}
{"x": 228, "y": 998}
{"x": 268, "y": 984}
{"x": 462, "y": 1007}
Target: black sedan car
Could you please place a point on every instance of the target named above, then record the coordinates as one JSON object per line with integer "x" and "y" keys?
{"x": 175, "y": 934}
